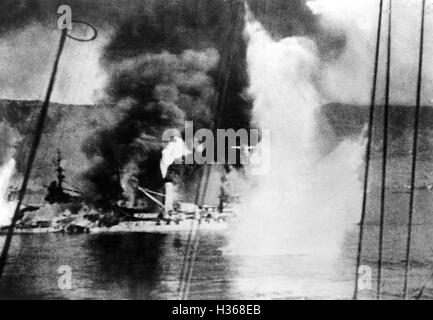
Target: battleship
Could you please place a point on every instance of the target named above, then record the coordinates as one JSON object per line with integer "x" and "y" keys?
{"x": 65, "y": 210}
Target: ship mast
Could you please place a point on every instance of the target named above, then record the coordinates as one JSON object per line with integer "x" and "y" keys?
{"x": 60, "y": 175}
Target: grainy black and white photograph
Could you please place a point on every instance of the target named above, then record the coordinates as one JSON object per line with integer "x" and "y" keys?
{"x": 216, "y": 150}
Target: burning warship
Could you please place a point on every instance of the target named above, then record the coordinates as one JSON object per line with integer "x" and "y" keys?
{"x": 65, "y": 210}
{"x": 142, "y": 100}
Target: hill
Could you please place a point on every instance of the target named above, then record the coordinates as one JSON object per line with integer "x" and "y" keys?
{"x": 67, "y": 126}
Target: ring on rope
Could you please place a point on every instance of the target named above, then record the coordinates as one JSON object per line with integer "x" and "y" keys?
{"x": 95, "y": 32}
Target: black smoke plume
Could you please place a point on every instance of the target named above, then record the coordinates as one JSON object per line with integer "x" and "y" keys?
{"x": 151, "y": 93}
{"x": 168, "y": 65}
{"x": 169, "y": 61}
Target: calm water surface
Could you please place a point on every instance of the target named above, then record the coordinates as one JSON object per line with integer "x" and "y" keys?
{"x": 148, "y": 266}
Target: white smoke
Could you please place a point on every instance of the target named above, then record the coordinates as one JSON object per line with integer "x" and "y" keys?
{"x": 6, "y": 207}
{"x": 348, "y": 78}
{"x": 309, "y": 199}
{"x": 173, "y": 151}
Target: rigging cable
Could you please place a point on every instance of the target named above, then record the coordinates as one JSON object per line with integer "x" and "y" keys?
{"x": 384, "y": 154}
{"x": 221, "y": 103}
{"x": 33, "y": 151}
{"x": 191, "y": 263}
{"x": 368, "y": 151}
{"x": 185, "y": 262}
{"x": 37, "y": 139}
{"x": 224, "y": 77}
{"x": 414, "y": 152}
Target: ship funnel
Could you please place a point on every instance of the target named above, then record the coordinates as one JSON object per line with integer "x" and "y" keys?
{"x": 169, "y": 196}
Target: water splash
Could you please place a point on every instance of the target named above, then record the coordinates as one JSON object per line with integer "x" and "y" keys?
{"x": 312, "y": 195}
{"x": 6, "y": 207}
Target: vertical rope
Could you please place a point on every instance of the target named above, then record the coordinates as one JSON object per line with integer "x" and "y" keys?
{"x": 226, "y": 73}
{"x": 185, "y": 262}
{"x": 191, "y": 264}
{"x": 37, "y": 138}
{"x": 205, "y": 177}
{"x": 414, "y": 153}
{"x": 368, "y": 151}
{"x": 385, "y": 154}
{"x": 33, "y": 152}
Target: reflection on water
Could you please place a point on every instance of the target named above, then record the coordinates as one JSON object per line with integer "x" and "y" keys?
{"x": 127, "y": 266}
{"x": 148, "y": 266}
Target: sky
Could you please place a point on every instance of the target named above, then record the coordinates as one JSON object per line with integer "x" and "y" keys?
{"x": 343, "y": 32}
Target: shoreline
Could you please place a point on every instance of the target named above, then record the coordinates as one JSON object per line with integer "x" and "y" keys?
{"x": 130, "y": 227}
